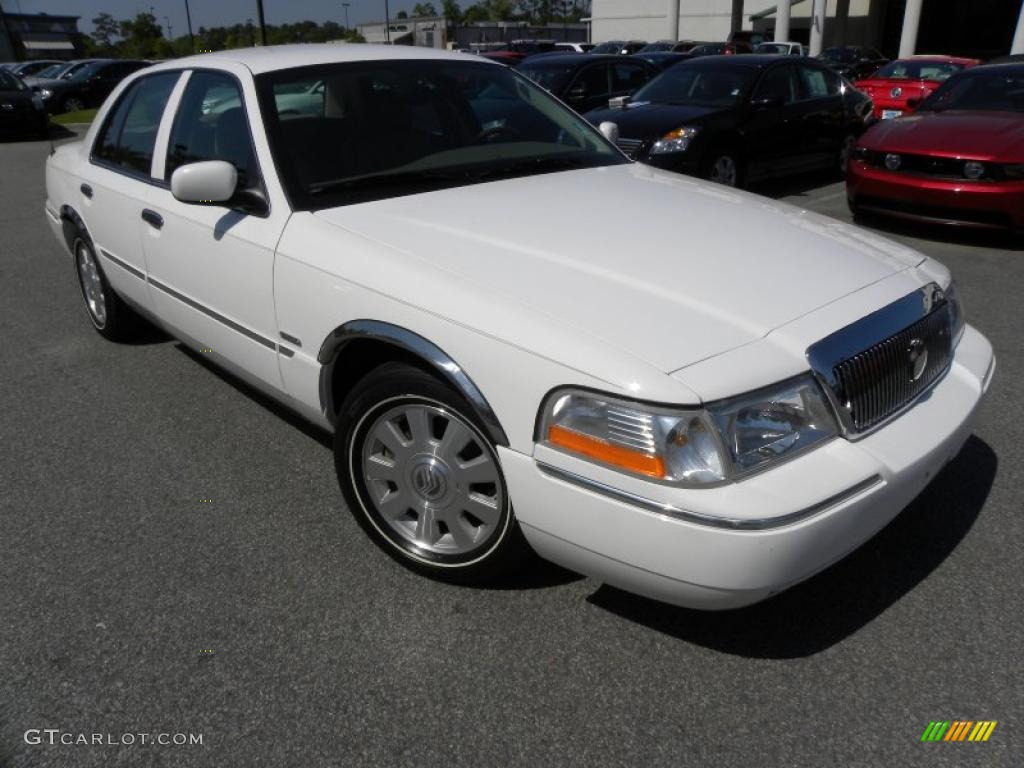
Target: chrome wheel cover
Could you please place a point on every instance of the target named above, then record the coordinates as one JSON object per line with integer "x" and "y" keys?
{"x": 431, "y": 478}
{"x": 92, "y": 284}
{"x": 724, "y": 171}
{"x": 74, "y": 104}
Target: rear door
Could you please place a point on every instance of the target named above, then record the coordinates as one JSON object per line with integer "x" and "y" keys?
{"x": 117, "y": 179}
{"x": 212, "y": 265}
{"x": 590, "y": 88}
{"x": 628, "y": 77}
{"x": 772, "y": 130}
{"x": 822, "y": 115}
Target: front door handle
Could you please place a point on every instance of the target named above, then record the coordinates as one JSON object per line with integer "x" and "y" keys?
{"x": 86, "y": 190}
{"x": 152, "y": 218}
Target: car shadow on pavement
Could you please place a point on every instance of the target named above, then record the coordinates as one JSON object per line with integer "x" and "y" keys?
{"x": 803, "y": 184}
{"x": 817, "y": 614}
{"x": 977, "y": 238}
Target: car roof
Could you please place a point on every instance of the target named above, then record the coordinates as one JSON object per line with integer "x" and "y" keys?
{"x": 574, "y": 58}
{"x": 753, "y": 60}
{"x": 274, "y": 57}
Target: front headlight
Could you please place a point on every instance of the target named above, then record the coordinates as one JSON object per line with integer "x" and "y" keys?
{"x": 774, "y": 423}
{"x": 690, "y": 447}
{"x": 674, "y": 141}
{"x": 956, "y": 312}
{"x": 670, "y": 445}
{"x": 45, "y": 93}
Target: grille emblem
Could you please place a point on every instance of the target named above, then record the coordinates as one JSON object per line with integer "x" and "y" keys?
{"x": 893, "y": 162}
{"x": 917, "y": 355}
{"x": 896, "y": 92}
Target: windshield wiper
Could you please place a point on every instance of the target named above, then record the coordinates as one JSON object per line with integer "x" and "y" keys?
{"x": 384, "y": 180}
{"x": 529, "y": 166}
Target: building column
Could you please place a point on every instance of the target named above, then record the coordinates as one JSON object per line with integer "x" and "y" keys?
{"x": 842, "y": 20}
{"x": 1018, "y": 37}
{"x": 782, "y": 14}
{"x": 673, "y": 19}
{"x": 817, "y": 26}
{"x": 737, "y": 16}
{"x": 911, "y": 21}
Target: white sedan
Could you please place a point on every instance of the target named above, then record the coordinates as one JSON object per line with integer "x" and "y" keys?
{"x": 519, "y": 338}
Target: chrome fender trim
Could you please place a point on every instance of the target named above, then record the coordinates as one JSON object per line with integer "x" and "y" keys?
{"x": 413, "y": 343}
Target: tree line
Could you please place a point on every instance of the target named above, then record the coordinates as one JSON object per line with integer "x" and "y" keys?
{"x": 144, "y": 38}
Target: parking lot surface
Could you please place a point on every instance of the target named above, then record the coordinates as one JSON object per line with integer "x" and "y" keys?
{"x": 176, "y": 558}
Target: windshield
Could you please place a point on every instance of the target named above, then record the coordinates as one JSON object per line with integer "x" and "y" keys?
{"x": 84, "y": 71}
{"x": 918, "y": 70}
{"x": 693, "y": 85}
{"x": 839, "y": 55}
{"x": 772, "y": 48}
{"x": 383, "y": 129}
{"x": 547, "y": 75}
{"x": 997, "y": 89}
{"x": 9, "y": 82}
{"x": 653, "y": 47}
{"x": 613, "y": 46}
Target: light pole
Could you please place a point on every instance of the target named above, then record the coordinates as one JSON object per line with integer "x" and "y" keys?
{"x": 346, "y": 5}
{"x": 263, "y": 26}
{"x": 191, "y": 38}
{"x": 170, "y": 34}
{"x": 387, "y": 23}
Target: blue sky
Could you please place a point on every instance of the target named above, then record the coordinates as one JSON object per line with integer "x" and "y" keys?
{"x": 213, "y": 13}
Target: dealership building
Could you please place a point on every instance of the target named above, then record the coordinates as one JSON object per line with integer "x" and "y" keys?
{"x": 983, "y": 28}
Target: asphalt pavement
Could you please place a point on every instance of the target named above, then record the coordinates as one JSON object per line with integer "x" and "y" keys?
{"x": 175, "y": 558}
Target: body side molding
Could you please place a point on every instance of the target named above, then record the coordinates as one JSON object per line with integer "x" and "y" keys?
{"x": 413, "y": 343}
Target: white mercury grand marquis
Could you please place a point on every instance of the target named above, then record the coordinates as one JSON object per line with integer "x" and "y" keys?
{"x": 518, "y": 337}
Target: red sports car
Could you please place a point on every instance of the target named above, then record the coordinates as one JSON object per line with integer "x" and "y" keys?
{"x": 909, "y": 80}
{"x": 959, "y": 159}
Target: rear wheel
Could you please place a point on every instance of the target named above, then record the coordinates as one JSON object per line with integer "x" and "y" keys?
{"x": 110, "y": 316}
{"x": 72, "y": 104}
{"x": 845, "y": 153}
{"x": 423, "y": 479}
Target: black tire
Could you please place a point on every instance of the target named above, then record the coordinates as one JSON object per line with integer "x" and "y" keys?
{"x": 717, "y": 160}
{"x": 844, "y": 155}
{"x": 72, "y": 104}
{"x": 108, "y": 313}
{"x": 425, "y": 490}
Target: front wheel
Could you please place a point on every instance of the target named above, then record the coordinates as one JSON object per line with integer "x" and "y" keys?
{"x": 723, "y": 166}
{"x": 845, "y": 153}
{"x": 72, "y": 104}
{"x": 423, "y": 479}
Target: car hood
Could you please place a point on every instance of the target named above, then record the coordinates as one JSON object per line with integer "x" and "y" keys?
{"x": 641, "y": 120}
{"x": 954, "y": 133}
{"x": 666, "y": 268}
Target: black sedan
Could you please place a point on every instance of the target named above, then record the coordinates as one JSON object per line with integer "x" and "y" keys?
{"x": 586, "y": 81}
{"x": 87, "y": 87}
{"x": 662, "y": 60}
{"x": 853, "y": 61}
{"x": 21, "y": 111}
{"x": 736, "y": 119}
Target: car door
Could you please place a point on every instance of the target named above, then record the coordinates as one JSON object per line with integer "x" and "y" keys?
{"x": 118, "y": 176}
{"x": 821, "y": 114}
{"x": 211, "y": 265}
{"x": 590, "y": 88}
{"x": 773, "y": 141}
{"x": 628, "y": 77}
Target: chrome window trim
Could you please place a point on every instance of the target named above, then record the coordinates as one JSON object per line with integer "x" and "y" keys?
{"x": 736, "y": 524}
{"x": 825, "y": 354}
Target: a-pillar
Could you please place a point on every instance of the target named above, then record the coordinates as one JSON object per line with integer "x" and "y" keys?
{"x": 911, "y": 21}
{"x": 817, "y": 26}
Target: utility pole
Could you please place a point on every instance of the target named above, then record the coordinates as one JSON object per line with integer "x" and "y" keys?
{"x": 387, "y": 23}
{"x": 170, "y": 33}
{"x": 263, "y": 26}
{"x": 191, "y": 37}
{"x": 346, "y": 5}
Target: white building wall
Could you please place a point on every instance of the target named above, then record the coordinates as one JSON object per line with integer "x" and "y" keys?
{"x": 698, "y": 19}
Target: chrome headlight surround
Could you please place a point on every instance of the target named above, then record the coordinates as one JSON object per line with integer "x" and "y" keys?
{"x": 689, "y": 447}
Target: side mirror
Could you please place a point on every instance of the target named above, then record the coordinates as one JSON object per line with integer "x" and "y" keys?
{"x": 609, "y": 130}
{"x": 766, "y": 102}
{"x": 211, "y": 181}
{"x": 576, "y": 93}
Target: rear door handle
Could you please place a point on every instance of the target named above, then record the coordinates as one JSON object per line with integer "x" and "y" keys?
{"x": 152, "y": 218}
{"x": 86, "y": 190}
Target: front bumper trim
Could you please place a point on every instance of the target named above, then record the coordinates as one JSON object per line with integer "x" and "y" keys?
{"x": 714, "y": 521}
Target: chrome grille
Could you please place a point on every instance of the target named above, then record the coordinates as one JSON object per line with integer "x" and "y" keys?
{"x": 630, "y": 146}
{"x": 878, "y": 382}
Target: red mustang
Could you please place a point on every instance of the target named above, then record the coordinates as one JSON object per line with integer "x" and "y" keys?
{"x": 959, "y": 159}
{"x": 909, "y": 80}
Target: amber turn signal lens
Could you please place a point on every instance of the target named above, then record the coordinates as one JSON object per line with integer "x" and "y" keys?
{"x": 592, "y": 447}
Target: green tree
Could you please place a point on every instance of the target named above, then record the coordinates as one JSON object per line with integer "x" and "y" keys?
{"x": 490, "y": 10}
{"x": 451, "y": 10}
{"x": 143, "y": 38}
{"x": 106, "y": 31}
{"x": 402, "y": 15}
{"x": 424, "y": 9}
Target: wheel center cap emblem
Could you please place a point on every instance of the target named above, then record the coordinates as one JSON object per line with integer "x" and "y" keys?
{"x": 429, "y": 481}
{"x": 917, "y": 355}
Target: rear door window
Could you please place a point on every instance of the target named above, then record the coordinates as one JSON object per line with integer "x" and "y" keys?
{"x": 628, "y": 77}
{"x": 128, "y": 135}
